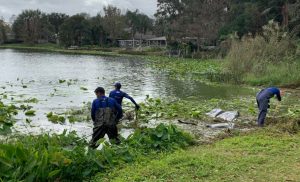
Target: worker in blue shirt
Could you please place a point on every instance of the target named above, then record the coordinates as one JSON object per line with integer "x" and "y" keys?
{"x": 263, "y": 99}
{"x": 105, "y": 114}
{"x": 118, "y": 95}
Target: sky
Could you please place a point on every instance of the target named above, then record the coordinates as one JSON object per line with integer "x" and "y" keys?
{"x": 71, "y": 7}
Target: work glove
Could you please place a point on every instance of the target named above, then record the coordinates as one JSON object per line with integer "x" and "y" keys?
{"x": 137, "y": 107}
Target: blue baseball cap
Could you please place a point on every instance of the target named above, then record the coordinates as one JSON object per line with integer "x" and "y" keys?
{"x": 118, "y": 85}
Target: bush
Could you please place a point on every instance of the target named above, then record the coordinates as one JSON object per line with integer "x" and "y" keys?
{"x": 285, "y": 74}
{"x": 258, "y": 56}
{"x": 66, "y": 158}
{"x": 7, "y": 113}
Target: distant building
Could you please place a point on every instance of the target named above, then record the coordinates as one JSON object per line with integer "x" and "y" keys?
{"x": 129, "y": 43}
{"x": 10, "y": 36}
{"x": 157, "y": 42}
{"x": 143, "y": 40}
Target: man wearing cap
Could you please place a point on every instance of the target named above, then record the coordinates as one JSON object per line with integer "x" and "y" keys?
{"x": 263, "y": 99}
{"x": 118, "y": 95}
{"x": 105, "y": 114}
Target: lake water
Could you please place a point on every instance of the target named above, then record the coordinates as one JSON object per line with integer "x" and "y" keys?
{"x": 26, "y": 75}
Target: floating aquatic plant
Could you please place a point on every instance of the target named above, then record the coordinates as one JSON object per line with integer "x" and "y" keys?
{"x": 83, "y": 88}
{"x": 30, "y": 113}
{"x": 55, "y": 118}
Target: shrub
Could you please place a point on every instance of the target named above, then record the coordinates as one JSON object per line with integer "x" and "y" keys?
{"x": 285, "y": 74}
{"x": 254, "y": 55}
{"x": 65, "y": 157}
{"x": 7, "y": 113}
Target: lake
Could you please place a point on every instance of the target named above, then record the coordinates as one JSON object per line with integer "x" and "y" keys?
{"x": 60, "y": 82}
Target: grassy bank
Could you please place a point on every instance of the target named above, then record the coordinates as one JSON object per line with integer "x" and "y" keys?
{"x": 264, "y": 155}
{"x": 283, "y": 74}
{"x": 57, "y": 49}
{"x": 90, "y": 50}
{"x": 269, "y": 58}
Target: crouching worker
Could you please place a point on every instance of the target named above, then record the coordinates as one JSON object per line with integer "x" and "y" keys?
{"x": 105, "y": 114}
{"x": 263, "y": 100}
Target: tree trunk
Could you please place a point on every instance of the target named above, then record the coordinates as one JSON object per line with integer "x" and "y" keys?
{"x": 141, "y": 40}
{"x": 133, "y": 41}
{"x": 285, "y": 15}
{"x": 198, "y": 44}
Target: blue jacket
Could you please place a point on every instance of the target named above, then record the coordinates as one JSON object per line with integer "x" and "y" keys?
{"x": 118, "y": 95}
{"x": 101, "y": 103}
{"x": 268, "y": 93}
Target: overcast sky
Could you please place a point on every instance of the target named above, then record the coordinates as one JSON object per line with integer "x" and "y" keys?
{"x": 14, "y": 7}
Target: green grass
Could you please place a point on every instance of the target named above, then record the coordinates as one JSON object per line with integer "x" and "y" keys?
{"x": 57, "y": 49}
{"x": 86, "y": 50}
{"x": 66, "y": 157}
{"x": 283, "y": 74}
{"x": 260, "y": 156}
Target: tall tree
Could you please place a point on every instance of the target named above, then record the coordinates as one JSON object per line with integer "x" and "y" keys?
{"x": 4, "y": 29}
{"x": 113, "y": 22}
{"x": 203, "y": 20}
{"x": 168, "y": 12}
{"x": 294, "y": 14}
{"x": 132, "y": 20}
{"x": 244, "y": 17}
{"x": 192, "y": 18}
{"x": 138, "y": 22}
{"x": 170, "y": 9}
{"x": 98, "y": 35}
{"x": 249, "y": 16}
{"x": 31, "y": 26}
{"x": 56, "y": 20}
{"x": 144, "y": 23}
{"x": 75, "y": 31}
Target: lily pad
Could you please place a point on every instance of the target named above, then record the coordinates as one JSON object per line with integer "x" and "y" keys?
{"x": 83, "y": 88}
{"x": 30, "y": 113}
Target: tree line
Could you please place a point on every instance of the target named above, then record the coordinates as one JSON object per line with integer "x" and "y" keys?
{"x": 216, "y": 19}
{"x": 34, "y": 26}
{"x": 4, "y": 28}
{"x": 203, "y": 21}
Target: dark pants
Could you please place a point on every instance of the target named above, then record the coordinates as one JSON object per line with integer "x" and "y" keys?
{"x": 100, "y": 131}
{"x": 263, "y": 105}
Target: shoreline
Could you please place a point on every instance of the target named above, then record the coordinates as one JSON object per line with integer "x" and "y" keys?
{"x": 58, "y": 50}
{"x": 160, "y": 62}
{"x": 97, "y": 51}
